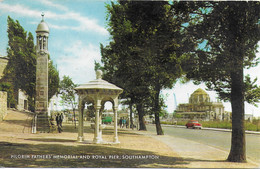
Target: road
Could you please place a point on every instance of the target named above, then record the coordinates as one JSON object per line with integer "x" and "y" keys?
{"x": 217, "y": 139}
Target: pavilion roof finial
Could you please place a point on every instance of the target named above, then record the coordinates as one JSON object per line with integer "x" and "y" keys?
{"x": 99, "y": 74}
{"x": 42, "y": 16}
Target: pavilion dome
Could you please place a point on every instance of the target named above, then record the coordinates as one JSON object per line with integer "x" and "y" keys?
{"x": 199, "y": 91}
{"x": 98, "y": 83}
{"x": 199, "y": 96}
{"x": 42, "y": 27}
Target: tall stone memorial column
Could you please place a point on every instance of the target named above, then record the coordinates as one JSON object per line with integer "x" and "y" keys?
{"x": 41, "y": 103}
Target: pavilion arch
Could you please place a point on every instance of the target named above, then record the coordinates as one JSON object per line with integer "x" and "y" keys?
{"x": 98, "y": 92}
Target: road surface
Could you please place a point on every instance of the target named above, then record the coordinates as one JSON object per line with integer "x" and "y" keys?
{"x": 217, "y": 139}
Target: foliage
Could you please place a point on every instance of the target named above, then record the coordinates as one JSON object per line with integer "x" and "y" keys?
{"x": 250, "y": 126}
{"x": 227, "y": 34}
{"x": 176, "y": 115}
{"x": 20, "y": 71}
{"x": 145, "y": 53}
{"x": 21, "y": 68}
{"x": 90, "y": 111}
{"x": 53, "y": 80}
{"x": 221, "y": 44}
{"x": 67, "y": 92}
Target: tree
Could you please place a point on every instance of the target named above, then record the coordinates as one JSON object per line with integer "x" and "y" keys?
{"x": 53, "y": 80}
{"x": 227, "y": 34}
{"x": 21, "y": 68}
{"x": 20, "y": 71}
{"x": 68, "y": 93}
{"x": 119, "y": 70}
{"x": 146, "y": 52}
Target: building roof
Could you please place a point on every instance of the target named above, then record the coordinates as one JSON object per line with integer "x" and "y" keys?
{"x": 98, "y": 83}
{"x": 42, "y": 27}
{"x": 199, "y": 91}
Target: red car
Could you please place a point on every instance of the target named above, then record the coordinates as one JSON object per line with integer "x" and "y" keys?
{"x": 194, "y": 124}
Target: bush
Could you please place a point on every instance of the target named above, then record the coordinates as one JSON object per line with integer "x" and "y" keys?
{"x": 251, "y": 126}
{"x": 217, "y": 124}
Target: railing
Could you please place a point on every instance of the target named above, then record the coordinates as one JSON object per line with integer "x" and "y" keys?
{"x": 34, "y": 121}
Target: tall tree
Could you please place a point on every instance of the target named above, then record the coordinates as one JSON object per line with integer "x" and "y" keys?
{"x": 21, "y": 68}
{"x": 121, "y": 63}
{"x": 68, "y": 93}
{"x": 146, "y": 51}
{"x": 53, "y": 80}
{"x": 227, "y": 33}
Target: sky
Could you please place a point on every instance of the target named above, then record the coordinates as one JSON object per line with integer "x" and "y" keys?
{"x": 77, "y": 28}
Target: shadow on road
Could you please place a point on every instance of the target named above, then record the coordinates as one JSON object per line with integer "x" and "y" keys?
{"x": 50, "y": 140}
{"x": 198, "y": 160}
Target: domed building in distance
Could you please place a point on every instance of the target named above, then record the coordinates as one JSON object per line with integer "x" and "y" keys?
{"x": 201, "y": 108}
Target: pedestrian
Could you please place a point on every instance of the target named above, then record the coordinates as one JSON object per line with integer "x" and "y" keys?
{"x": 61, "y": 119}
{"x": 124, "y": 122}
{"x": 120, "y": 122}
{"x": 58, "y": 121}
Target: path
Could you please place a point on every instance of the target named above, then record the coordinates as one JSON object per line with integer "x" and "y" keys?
{"x": 199, "y": 155}
{"x": 158, "y": 151}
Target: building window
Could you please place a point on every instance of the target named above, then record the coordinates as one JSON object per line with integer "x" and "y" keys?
{"x": 40, "y": 42}
{"x": 44, "y": 42}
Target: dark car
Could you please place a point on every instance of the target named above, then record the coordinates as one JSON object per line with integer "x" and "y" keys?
{"x": 193, "y": 124}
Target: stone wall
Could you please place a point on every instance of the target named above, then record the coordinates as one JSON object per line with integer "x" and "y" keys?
{"x": 22, "y": 101}
{"x": 3, "y": 63}
{"x": 3, "y": 105}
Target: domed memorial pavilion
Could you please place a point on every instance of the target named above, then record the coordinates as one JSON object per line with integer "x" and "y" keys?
{"x": 201, "y": 108}
{"x": 97, "y": 92}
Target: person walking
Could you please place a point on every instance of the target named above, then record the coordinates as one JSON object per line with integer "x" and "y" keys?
{"x": 120, "y": 122}
{"x": 61, "y": 119}
{"x": 124, "y": 122}
{"x": 58, "y": 121}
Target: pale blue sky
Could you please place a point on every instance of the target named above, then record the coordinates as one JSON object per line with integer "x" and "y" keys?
{"x": 76, "y": 30}
{"x": 77, "y": 27}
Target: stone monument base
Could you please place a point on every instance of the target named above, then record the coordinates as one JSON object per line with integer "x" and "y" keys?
{"x": 43, "y": 124}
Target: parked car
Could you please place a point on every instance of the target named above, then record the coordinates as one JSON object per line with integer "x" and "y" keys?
{"x": 193, "y": 124}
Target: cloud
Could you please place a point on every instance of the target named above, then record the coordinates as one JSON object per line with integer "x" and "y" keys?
{"x": 19, "y": 9}
{"x": 77, "y": 61}
{"x": 84, "y": 23}
{"x": 56, "y": 6}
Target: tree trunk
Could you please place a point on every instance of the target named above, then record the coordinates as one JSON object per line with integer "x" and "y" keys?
{"x": 157, "y": 110}
{"x": 238, "y": 149}
{"x": 141, "y": 117}
{"x": 74, "y": 114}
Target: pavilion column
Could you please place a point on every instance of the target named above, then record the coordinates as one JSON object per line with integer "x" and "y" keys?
{"x": 100, "y": 124}
{"x": 80, "y": 126}
{"x": 115, "y": 126}
{"x": 97, "y": 138}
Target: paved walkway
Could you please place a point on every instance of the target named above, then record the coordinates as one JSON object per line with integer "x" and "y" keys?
{"x": 138, "y": 149}
{"x": 199, "y": 155}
